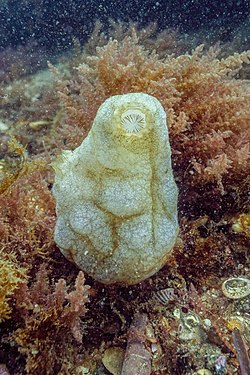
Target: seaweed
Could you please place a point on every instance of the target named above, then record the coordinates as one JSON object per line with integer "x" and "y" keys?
{"x": 45, "y": 325}
{"x": 11, "y": 276}
{"x": 51, "y": 323}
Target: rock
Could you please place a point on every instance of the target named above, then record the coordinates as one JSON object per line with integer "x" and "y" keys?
{"x": 4, "y": 370}
{"x": 115, "y": 194}
{"x": 3, "y": 126}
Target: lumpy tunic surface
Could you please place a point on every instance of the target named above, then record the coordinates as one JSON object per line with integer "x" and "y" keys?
{"x": 116, "y": 197}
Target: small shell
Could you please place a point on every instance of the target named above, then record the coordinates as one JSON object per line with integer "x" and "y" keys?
{"x": 236, "y": 287}
{"x": 190, "y": 327}
{"x": 190, "y": 320}
{"x": 113, "y": 359}
{"x": 164, "y": 296}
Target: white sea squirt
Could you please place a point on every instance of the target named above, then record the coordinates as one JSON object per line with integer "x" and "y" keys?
{"x": 116, "y": 198}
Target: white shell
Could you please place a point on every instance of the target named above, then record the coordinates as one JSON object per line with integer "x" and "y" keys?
{"x": 190, "y": 320}
{"x": 164, "y": 296}
{"x": 236, "y": 287}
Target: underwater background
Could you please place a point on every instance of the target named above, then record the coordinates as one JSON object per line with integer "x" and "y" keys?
{"x": 59, "y": 61}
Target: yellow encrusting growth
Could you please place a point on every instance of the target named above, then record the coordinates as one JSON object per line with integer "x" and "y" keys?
{"x": 11, "y": 168}
{"x": 11, "y": 276}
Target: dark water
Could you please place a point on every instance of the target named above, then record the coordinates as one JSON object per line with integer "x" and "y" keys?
{"x": 53, "y": 24}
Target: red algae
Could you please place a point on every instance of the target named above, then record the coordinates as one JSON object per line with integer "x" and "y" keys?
{"x": 52, "y": 322}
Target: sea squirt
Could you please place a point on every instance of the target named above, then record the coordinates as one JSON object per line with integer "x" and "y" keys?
{"x": 116, "y": 198}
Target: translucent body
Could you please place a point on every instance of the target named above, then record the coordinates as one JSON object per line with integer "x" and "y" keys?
{"x": 116, "y": 196}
